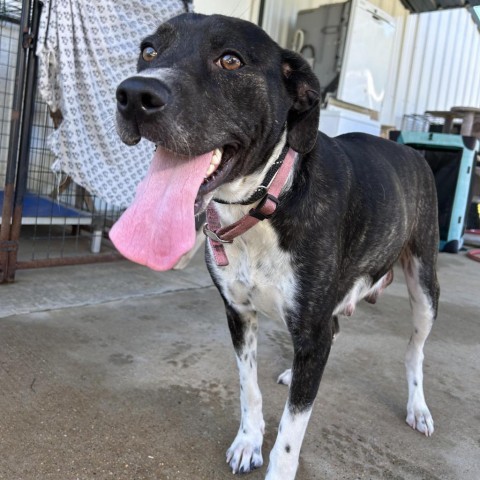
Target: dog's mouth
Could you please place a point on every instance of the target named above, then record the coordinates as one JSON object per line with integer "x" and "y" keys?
{"x": 217, "y": 172}
{"x": 159, "y": 227}
{"x": 215, "y": 167}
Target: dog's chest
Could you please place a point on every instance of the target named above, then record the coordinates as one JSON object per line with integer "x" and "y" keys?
{"x": 259, "y": 275}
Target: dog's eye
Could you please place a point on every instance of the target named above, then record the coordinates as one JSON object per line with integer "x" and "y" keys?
{"x": 229, "y": 62}
{"x": 148, "y": 54}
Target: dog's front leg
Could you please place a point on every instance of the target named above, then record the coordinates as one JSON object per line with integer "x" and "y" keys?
{"x": 311, "y": 348}
{"x": 245, "y": 453}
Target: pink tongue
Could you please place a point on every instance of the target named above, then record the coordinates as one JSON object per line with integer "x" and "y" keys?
{"x": 159, "y": 227}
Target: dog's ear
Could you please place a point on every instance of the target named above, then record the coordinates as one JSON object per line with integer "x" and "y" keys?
{"x": 304, "y": 90}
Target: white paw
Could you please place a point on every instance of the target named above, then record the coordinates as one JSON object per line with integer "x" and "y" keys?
{"x": 245, "y": 454}
{"x": 285, "y": 378}
{"x": 420, "y": 419}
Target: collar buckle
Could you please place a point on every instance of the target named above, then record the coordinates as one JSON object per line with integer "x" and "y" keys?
{"x": 212, "y": 235}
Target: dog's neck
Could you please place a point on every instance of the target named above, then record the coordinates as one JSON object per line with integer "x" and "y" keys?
{"x": 242, "y": 188}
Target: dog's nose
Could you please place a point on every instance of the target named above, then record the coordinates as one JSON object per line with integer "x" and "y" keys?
{"x": 142, "y": 95}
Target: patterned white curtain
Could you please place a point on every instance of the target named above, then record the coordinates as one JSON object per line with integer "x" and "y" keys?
{"x": 86, "y": 48}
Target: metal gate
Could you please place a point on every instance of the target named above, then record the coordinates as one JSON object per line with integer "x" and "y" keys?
{"x": 46, "y": 219}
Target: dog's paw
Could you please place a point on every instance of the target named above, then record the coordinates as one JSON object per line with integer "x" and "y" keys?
{"x": 245, "y": 454}
{"x": 420, "y": 419}
{"x": 285, "y": 378}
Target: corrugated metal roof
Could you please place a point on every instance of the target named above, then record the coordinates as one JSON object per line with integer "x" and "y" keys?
{"x": 419, "y": 6}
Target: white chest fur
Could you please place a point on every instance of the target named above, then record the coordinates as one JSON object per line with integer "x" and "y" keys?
{"x": 259, "y": 275}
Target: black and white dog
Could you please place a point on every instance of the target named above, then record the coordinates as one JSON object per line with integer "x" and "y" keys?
{"x": 224, "y": 104}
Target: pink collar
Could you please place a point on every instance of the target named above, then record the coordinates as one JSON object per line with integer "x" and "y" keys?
{"x": 218, "y": 236}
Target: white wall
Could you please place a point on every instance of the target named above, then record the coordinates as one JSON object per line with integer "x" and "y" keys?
{"x": 246, "y": 9}
{"x": 439, "y": 63}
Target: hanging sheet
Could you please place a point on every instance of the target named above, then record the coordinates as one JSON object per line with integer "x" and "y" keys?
{"x": 86, "y": 48}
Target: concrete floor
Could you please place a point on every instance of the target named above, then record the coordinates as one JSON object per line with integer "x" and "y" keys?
{"x": 116, "y": 372}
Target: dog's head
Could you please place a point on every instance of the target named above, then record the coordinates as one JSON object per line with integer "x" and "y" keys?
{"x": 214, "y": 94}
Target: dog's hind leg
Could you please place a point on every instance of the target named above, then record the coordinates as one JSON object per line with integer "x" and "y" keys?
{"x": 311, "y": 348}
{"x": 245, "y": 453}
{"x": 423, "y": 290}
